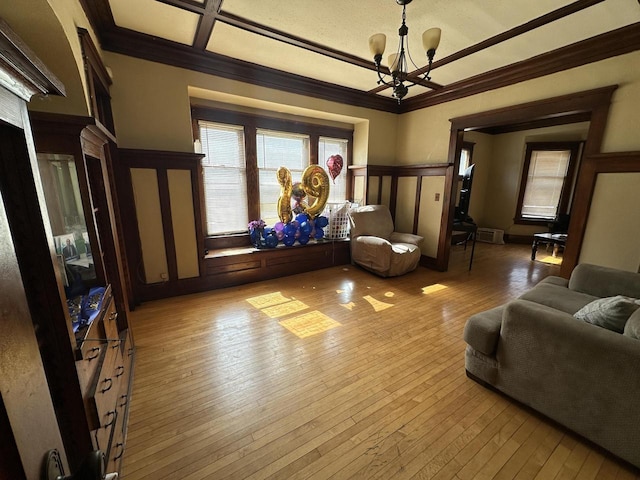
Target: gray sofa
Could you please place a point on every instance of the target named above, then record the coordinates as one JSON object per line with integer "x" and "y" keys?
{"x": 581, "y": 375}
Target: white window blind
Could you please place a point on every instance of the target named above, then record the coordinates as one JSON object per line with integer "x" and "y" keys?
{"x": 465, "y": 157}
{"x": 326, "y": 148}
{"x": 225, "y": 178}
{"x": 276, "y": 149}
{"x": 545, "y": 180}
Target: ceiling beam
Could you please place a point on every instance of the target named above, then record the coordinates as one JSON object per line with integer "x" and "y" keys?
{"x": 206, "y": 22}
{"x": 188, "y": 5}
{"x": 135, "y": 44}
{"x": 610, "y": 44}
{"x": 284, "y": 37}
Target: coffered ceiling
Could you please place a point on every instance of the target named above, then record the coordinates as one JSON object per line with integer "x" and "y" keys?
{"x": 320, "y": 47}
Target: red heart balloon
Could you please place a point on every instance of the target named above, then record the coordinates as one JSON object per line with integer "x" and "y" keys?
{"x": 334, "y": 165}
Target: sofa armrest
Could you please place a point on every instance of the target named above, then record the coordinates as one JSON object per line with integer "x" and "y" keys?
{"x": 397, "y": 237}
{"x": 482, "y": 330}
{"x": 604, "y": 281}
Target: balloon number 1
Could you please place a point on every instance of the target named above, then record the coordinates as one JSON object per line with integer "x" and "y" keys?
{"x": 314, "y": 183}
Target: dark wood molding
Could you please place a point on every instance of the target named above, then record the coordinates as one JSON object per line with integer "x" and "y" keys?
{"x": 18, "y": 60}
{"x": 147, "y": 47}
{"x": 161, "y": 161}
{"x": 206, "y": 23}
{"x": 188, "y": 5}
{"x": 610, "y": 44}
{"x": 99, "y": 14}
{"x": 542, "y": 123}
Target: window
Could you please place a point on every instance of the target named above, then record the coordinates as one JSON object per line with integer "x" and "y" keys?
{"x": 465, "y": 157}
{"x": 242, "y": 155}
{"x": 546, "y": 181}
{"x": 335, "y": 146}
{"x": 225, "y": 179}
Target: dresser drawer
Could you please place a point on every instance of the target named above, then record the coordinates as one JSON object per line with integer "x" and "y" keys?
{"x": 87, "y": 368}
{"x": 110, "y": 321}
{"x": 103, "y": 435}
{"x": 107, "y": 387}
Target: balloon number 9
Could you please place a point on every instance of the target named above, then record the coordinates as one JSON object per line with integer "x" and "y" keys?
{"x": 315, "y": 183}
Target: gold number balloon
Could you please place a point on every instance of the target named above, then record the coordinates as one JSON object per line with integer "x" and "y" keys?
{"x": 315, "y": 183}
{"x": 284, "y": 201}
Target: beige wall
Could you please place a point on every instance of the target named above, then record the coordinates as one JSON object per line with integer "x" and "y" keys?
{"x": 613, "y": 229}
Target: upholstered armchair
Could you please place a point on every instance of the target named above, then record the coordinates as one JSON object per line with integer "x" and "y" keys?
{"x": 375, "y": 245}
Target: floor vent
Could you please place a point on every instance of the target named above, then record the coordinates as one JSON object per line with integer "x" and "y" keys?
{"x": 491, "y": 235}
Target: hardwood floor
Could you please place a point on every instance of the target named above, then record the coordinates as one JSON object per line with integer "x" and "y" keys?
{"x": 340, "y": 374}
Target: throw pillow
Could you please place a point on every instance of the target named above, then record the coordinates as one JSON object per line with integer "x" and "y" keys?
{"x": 632, "y": 328}
{"x": 611, "y": 313}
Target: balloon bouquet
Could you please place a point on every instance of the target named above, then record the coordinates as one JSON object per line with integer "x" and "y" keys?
{"x": 295, "y": 198}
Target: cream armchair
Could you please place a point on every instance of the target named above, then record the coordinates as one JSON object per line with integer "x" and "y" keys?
{"x": 375, "y": 245}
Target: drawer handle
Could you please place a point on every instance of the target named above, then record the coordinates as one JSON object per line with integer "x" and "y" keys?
{"x": 106, "y": 389}
{"x": 112, "y": 414}
{"x": 113, "y": 316}
{"x": 131, "y": 350}
{"x": 116, "y": 344}
{"x": 124, "y": 401}
{"x": 119, "y": 445}
{"x": 120, "y": 371}
{"x": 95, "y": 351}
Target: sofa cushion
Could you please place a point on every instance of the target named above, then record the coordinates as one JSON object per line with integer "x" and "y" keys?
{"x": 632, "y": 327}
{"x": 611, "y": 313}
{"x": 558, "y": 297}
{"x": 482, "y": 330}
{"x": 604, "y": 281}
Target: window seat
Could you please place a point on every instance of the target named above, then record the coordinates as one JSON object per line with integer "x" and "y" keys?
{"x": 250, "y": 264}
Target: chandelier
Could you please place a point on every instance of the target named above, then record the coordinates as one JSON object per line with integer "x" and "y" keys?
{"x": 398, "y": 64}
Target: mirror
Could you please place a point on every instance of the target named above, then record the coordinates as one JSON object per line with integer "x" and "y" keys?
{"x": 66, "y": 215}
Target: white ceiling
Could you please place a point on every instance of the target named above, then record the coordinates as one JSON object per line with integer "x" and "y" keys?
{"x": 346, "y": 26}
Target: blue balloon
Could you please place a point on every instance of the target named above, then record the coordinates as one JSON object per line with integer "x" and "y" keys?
{"x": 289, "y": 230}
{"x": 304, "y": 239}
{"x": 305, "y": 228}
{"x": 301, "y": 217}
{"x": 322, "y": 222}
{"x": 266, "y": 232}
{"x": 319, "y": 233}
{"x": 288, "y": 240}
{"x": 271, "y": 241}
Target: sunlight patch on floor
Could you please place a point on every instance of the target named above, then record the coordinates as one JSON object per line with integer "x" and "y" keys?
{"x": 267, "y": 300}
{"x": 436, "y": 287}
{"x": 292, "y": 306}
{"x": 551, "y": 260}
{"x": 377, "y": 305}
{"x": 348, "y": 306}
{"x": 309, "y": 324}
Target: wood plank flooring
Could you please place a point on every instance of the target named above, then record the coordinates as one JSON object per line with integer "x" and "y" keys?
{"x": 339, "y": 374}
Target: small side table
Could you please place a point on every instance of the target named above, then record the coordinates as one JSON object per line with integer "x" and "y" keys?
{"x": 548, "y": 238}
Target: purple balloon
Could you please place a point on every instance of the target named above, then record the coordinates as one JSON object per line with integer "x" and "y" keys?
{"x": 278, "y": 227}
{"x": 279, "y": 234}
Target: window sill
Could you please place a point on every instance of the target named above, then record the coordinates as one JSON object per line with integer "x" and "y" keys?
{"x": 533, "y": 221}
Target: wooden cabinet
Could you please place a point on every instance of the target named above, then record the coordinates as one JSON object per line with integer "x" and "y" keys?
{"x": 76, "y": 169}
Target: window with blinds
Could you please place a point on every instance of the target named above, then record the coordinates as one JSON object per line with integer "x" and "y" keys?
{"x": 545, "y": 183}
{"x": 225, "y": 179}
{"x": 275, "y": 150}
{"x": 326, "y": 148}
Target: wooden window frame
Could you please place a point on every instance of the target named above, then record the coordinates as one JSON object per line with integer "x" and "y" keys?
{"x": 252, "y": 123}
{"x": 565, "y": 195}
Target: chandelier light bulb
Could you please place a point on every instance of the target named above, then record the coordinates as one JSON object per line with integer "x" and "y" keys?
{"x": 377, "y": 43}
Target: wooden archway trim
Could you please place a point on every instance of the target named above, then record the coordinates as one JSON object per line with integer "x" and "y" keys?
{"x": 595, "y": 103}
